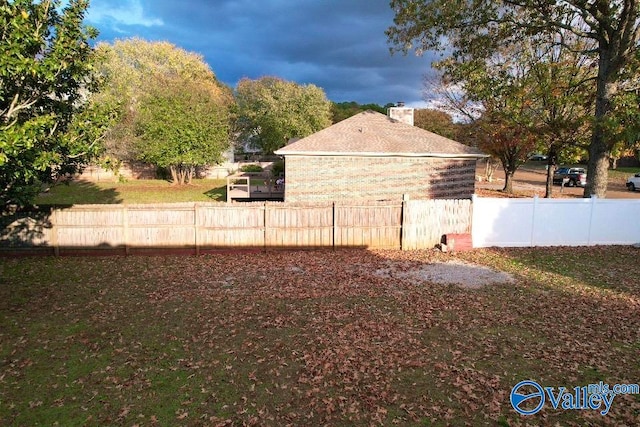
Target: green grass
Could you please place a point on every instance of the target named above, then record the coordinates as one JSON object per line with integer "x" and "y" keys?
{"x": 311, "y": 338}
{"x": 134, "y": 191}
{"x": 621, "y": 174}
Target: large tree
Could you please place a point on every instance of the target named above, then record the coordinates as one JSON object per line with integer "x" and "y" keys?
{"x": 560, "y": 83}
{"x": 549, "y": 86}
{"x": 46, "y": 63}
{"x": 172, "y": 110}
{"x": 476, "y": 29}
{"x": 497, "y": 97}
{"x": 272, "y": 111}
{"x": 183, "y": 125}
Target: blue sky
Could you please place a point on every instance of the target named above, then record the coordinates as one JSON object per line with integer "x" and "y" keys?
{"x": 338, "y": 45}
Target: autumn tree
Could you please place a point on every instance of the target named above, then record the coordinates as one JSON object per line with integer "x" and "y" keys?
{"x": 173, "y": 112}
{"x": 271, "y": 111}
{"x": 505, "y": 133}
{"x": 562, "y": 104}
{"x": 539, "y": 92}
{"x": 435, "y": 121}
{"x": 494, "y": 96}
{"x": 46, "y": 129}
{"x": 472, "y": 30}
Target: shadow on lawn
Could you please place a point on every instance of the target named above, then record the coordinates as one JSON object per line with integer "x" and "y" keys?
{"x": 29, "y": 228}
{"x": 68, "y": 193}
{"x": 599, "y": 267}
{"x": 218, "y": 194}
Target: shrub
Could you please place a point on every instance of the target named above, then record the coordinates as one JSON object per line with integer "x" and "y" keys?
{"x": 278, "y": 168}
{"x": 251, "y": 168}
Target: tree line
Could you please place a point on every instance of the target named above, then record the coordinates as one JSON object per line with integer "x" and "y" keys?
{"x": 560, "y": 78}
{"x": 64, "y": 103}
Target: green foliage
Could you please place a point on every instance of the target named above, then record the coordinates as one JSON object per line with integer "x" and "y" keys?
{"x": 344, "y": 110}
{"x": 272, "y": 111}
{"x": 277, "y": 169}
{"x": 530, "y": 99}
{"x": 182, "y": 125}
{"x": 623, "y": 124}
{"x": 46, "y": 67}
{"x": 251, "y": 168}
{"x": 173, "y": 112}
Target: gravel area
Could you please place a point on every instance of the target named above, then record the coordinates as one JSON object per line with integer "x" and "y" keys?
{"x": 453, "y": 272}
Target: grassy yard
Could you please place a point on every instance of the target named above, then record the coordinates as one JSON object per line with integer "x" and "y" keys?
{"x": 313, "y": 338}
{"x": 134, "y": 191}
{"x": 621, "y": 174}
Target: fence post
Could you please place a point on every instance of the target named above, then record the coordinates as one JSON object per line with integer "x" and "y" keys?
{"x": 403, "y": 208}
{"x": 592, "y": 205}
{"x": 125, "y": 223}
{"x": 533, "y": 221}
{"x": 333, "y": 225}
{"x": 54, "y": 232}
{"x": 195, "y": 227}
{"x": 266, "y": 233}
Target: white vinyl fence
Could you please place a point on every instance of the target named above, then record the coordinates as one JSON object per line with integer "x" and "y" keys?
{"x": 555, "y": 222}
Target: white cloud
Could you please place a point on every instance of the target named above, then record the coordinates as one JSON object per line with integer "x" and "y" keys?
{"x": 120, "y": 13}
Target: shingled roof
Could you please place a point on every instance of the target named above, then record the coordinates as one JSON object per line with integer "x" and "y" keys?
{"x": 373, "y": 134}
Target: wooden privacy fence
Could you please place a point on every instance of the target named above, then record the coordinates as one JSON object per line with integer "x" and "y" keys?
{"x": 410, "y": 224}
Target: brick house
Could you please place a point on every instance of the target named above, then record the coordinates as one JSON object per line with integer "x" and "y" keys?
{"x": 371, "y": 156}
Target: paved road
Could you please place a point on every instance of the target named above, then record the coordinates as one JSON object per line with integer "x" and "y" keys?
{"x": 531, "y": 181}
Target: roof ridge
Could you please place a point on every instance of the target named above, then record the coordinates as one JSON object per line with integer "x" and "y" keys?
{"x": 373, "y": 133}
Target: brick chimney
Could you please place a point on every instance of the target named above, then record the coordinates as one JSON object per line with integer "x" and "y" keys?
{"x": 401, "y": 113}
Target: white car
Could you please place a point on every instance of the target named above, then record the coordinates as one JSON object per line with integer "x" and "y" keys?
{"x": 633, "y": 183}
{"x": 538, "y": 157}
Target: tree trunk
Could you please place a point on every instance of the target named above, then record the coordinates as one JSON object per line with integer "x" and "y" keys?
{"x": 178, "y": 174}
{"x": 548, "y": 191}
{"x": 190, "y": 172}
{"x": 174, "y": 174}
{"x": 599, "y": 149}
{"x": 551, "y": 165}
{"x": 508, "y": 181}
{"x": 489, "y": 169}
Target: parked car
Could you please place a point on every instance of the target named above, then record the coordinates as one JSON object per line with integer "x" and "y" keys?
{"x": 570, "y": 177}
{"x": 538, "y": 157}
{"x": 633, "y": 183}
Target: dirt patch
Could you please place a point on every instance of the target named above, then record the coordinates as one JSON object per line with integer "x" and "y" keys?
{"x": 454, "y": 272}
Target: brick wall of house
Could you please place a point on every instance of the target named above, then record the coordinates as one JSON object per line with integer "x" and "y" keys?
{"x": 329, "y": 178}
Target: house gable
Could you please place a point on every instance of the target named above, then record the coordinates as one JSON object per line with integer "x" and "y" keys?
{"x": 373, "y": 134}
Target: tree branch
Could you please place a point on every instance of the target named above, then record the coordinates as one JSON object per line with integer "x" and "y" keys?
{"x": 13, "y": 108}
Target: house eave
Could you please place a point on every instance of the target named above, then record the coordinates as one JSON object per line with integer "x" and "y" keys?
{"x": 380, "y": 154}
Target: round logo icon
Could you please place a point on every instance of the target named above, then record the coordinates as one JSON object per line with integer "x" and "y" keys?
{"x": 524, "y": 395}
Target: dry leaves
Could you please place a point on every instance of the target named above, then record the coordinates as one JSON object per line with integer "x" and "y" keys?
{"x": 312, "y": 338}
